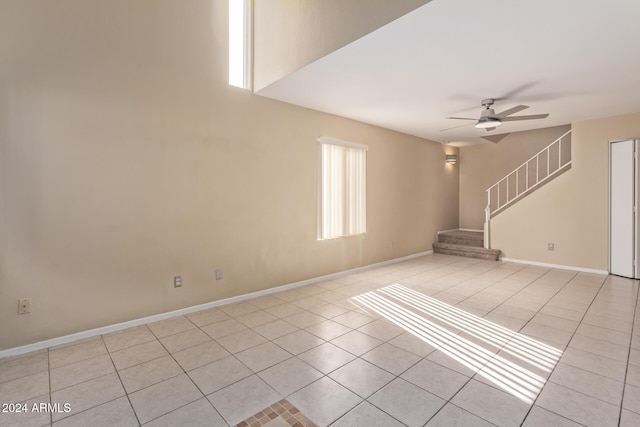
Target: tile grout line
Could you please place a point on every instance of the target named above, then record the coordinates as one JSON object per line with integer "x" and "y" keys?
{"x": 565, "y": 347}
{"x": 626, "y": 372}
{"x": 135, "y": 414}
{"x": 204, "y": 396}
{"x": 450, "y": 400}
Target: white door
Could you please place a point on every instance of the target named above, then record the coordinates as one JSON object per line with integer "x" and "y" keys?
{"x": 622, "y": 179}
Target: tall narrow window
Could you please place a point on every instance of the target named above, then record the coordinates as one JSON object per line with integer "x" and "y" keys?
{"x": 239, "y": 43}
{"x": 343, "y": 188}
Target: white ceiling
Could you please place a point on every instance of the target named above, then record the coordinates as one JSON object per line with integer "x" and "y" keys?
{"x": 573, "y": 59}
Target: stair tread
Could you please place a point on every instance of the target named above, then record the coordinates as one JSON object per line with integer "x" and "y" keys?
{"x": 465, "y": 248}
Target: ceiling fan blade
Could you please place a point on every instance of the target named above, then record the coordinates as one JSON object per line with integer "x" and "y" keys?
{"x": 460, "y": 118}
{"x": 455, "y": 127}
{"x": 495, "y": 138}
{"x": 511, "y": 111}
{"x": 489, "y": 129}
{"x": 531, "y": 117}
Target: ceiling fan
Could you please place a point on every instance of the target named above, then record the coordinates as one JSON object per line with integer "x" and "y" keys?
{"x": 489, "y": 120}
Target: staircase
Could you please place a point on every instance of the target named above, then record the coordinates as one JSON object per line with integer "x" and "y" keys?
{"x": 469, "y": 244}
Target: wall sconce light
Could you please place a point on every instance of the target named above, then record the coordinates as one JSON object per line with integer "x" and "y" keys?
{"x": 452, "y": 158}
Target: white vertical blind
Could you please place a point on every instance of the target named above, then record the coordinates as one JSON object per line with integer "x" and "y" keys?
{"x": 343, "y": 190}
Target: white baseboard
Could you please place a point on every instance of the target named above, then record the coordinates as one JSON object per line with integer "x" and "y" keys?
{"x": 562, "y": 267}
{"x": 187, "y": 310}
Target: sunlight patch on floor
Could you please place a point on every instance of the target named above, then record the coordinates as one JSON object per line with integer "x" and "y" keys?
{"x": 440, "y": 324}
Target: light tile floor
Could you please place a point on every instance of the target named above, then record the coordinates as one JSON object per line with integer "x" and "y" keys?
{"x": 437, "y": 340}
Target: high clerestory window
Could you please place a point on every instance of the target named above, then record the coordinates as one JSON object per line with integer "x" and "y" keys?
{"x": 343, "y": 188}
{"x": 239, "y": 46}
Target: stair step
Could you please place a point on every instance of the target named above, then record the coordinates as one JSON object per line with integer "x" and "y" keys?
{"x": 466, "y": 238}
{"x": 466, "y": 251}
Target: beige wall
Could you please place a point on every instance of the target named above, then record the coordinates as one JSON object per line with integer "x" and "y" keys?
{"x": 290, "y": 34}
{"x": 572, "y": 210}
{"x": 126, "y": 159}
{"x": 482, "y": 165}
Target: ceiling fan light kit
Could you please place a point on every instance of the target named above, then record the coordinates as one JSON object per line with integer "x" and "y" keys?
{"x": 488, "y": 122}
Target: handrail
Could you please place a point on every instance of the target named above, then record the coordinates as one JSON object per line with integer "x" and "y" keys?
{"x": 508, "y": 200}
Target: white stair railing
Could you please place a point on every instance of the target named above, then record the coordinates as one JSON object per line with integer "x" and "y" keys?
{"x": 548, "y": 162}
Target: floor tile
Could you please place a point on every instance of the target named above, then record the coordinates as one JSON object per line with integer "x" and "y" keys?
{"x": 601, "y": 348}
{"x": 172, "y": 326}
{"x": 256, "y": 318}
{"x": 304, "y": 319}
{"x": 216, "y": 375}
{"x": 207, "y": 317}
{"x": 629, "y": 419}
{"x": 540, "y": 417}
{"x": 77, "y": 352}
{"x": 275, "y": 329}
{"x": 238, "y": 309}
{"x": 298, "y": 342}
{"x": 284, "y": 310}
{"x": 328, "y": 330}
{"x": 412, "y": 344}
{"x": 263, "y": 356}
{"x": 326, "y": 357}
{"x": 186, "y": 339}
{"x": 223, "y": 328}
{"x": 366, "y": 415}
{"x": 266, "y": 301}
{"x": 279, "y": 414}
{"x": 243, "y": 399}
{"x": 491, "y": 404}
{"x": 593, "y": 363}
{"x": 149, "y": 373}
{"x": 290, "y": 376}
{"x": 117, "y": 413}
{"x": 328, "y": 310}
{"x": 538, "y": 331}
{"x": 353, "y": 319}
{"x": 578, "y": 407}
{"x": 198, "y": 413}
{"x": 406, "y": 402}
{"x": 603, "y": 334}
{"x": 452, "y": 416}
{"x": 391, "y": 358}
{"x": 631, "y": 399}
{"x": 586, "y": 382}
{"x": 24, "y": 388}
{"x": 381, "y": 329}
{"x": 88, "y": 394}
{"x": 22, "y": 366}
{"x": 240, "y": 341}
{"x": 356, "y": 342}
{"x": 128, "y": 338}
{"x": 361, "y": 377}
{"x": 29, "y": 418}
{"x": 324, "y": 401}
{"x": 82, "y": 371}
{"x": 435, "y": 379}
{"x": 140, "y": 353}
{"x": 159, "y": 399}
{"x": 200, "y": 355}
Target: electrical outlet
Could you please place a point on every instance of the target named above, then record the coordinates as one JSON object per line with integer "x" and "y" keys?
{"x": 551, "y": 246}
{"x": 218, "y": 273}
{"x": 177, "y": 281}
{"x": 24, "y": 306}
